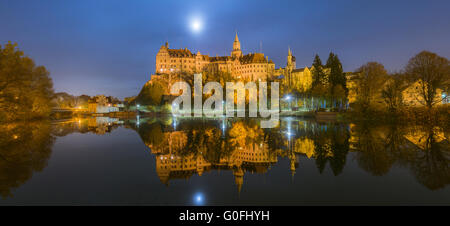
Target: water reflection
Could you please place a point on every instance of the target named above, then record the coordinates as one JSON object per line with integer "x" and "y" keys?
{"x": 423, "y": 149}
{"x": 241, "y": 146}
{"x": 24, "y": 149}
{"x": 186, "y": 147}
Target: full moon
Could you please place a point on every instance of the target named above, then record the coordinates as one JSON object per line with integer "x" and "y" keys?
{"x": 196, "y": 25}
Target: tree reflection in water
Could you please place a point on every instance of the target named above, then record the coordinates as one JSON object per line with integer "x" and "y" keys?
{"x": 423, "y": 149}
{"x": 200, "y": 145}
{"x": 24, "y": 149}
{"x": 185, "y": 147}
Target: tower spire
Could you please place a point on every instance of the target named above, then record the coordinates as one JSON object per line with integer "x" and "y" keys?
{"x": 236, "y": 47}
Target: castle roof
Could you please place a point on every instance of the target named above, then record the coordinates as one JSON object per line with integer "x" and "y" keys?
{"x": 219, "y": 58}
{"x": 180, "y": 53}
{"x": 253, "y": 58}
{"x": 299, "y": 69}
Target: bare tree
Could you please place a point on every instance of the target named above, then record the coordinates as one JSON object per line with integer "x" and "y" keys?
{"x": 369, "y": 81}
{"x": 432, "y": 72}
{"x": 392, "y": 92}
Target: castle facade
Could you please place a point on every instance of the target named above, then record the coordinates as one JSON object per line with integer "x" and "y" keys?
{"x": 249, "y": 67}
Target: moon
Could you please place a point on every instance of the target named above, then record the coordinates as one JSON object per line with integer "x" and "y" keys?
{"x": 196, "y": 25}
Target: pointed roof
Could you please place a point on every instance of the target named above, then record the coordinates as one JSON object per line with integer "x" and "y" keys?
{"x": 289, "y": 51}
{"x": 236, "y": 39}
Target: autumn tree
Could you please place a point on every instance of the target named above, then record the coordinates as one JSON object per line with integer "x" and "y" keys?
{"x": 432, "y": 72}
{"x": 25, "y": 89}
{"x": 63, "y": 100}
{"x": 151, "y": 94}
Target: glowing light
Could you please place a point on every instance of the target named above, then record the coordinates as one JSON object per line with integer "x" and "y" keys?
{"x": 199, "y": 199}
{"x": 287, "y": 97}
{"x": 196, "y": 25}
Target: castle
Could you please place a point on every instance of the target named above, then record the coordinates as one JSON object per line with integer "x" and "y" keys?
{"x": 249, "y": 67}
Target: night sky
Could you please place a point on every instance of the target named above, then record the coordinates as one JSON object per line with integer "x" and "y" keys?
{"x": 109, "y": 47}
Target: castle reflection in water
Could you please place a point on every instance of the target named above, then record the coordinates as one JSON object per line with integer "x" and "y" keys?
{"x": 187, "y": 147}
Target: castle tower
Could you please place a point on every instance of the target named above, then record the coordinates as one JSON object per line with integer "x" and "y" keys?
{"x": 290, "y": 60}
{"x": 198, "y": 60}
{"x": 236, "y": 48}
{"x": 290, "y": 66}
{"x": 293, "y": 166}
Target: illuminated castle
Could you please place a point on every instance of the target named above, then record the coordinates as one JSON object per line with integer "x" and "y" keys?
{"x": 249, "y": 67}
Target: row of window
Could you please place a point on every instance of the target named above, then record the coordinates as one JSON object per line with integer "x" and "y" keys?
{"x": 241, "y": 67}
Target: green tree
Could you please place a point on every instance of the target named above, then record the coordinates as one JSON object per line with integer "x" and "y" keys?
{"x": 432, "y": 72}
{"x": 26, "y": 90}
{"x": 319, "y": 86}
{"x": 337, "y": 79}
{"x": 318, "y": 74}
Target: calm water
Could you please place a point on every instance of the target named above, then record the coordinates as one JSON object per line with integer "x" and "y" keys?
{"x": 222, "y": 162}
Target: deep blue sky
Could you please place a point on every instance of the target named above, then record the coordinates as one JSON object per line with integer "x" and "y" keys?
{"x": 109, "y": 47}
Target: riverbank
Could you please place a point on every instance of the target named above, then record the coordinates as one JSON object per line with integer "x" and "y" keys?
{"x": 438, "y": 115}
